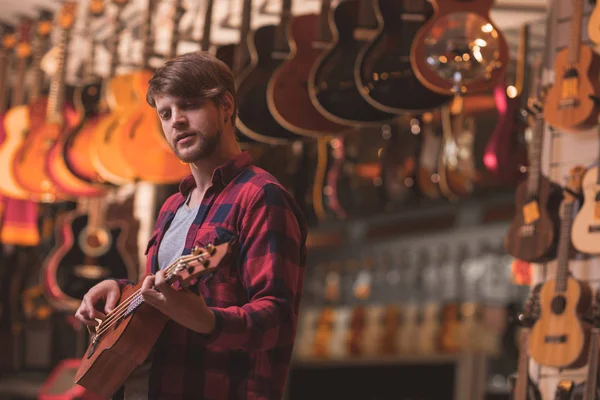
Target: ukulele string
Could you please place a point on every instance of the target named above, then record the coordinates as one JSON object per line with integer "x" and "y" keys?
{"x": 116, "y": 314}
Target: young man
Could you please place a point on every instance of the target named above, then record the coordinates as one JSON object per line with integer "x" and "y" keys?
{"x": 231, "y": 337}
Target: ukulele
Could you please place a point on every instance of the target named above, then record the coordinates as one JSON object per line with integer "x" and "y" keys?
{"x": 89, "y": 251}
{"x": 382, "y": 70}
{"x": 532, "y": 235}
{"x": 47, "y": 121}
{"x": 16, "y": 119}
{"x": 331, "y": 82}
{"x": 287, "y": 92}
{"x": 268, "y": 47}
{"x": 572, "y": 103}
{"x": 505, "y": 155}
{"x": 141, "y": 131}
{"x": 524, "y": 388}
{"x": 124, "y": 339}
{"x": 460, "y": 38}
{"x": 558, "y": 338}
{"x": 594, "y": 24}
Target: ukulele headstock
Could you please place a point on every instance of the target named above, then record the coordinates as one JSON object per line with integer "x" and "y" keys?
{"x": 531, "y": 309}
{"x": 202, "y": 260}
{"x": 96, "y": 8}
{"x": 66, "y": 17}
{"x": 44, "y": 25}
{"x": 573, "y": 189}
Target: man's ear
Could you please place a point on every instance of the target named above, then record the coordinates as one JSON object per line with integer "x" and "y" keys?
{"x": 228, "y": 105}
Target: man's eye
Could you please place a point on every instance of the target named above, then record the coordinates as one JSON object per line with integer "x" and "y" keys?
{"x": 165, "y": 115}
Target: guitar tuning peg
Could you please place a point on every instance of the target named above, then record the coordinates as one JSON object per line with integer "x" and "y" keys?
{"x": 211, "y": 249}
{"x": 195, "y": 250}
{"x": 205, "y": 262}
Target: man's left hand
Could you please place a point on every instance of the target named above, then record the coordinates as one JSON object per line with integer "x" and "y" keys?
{"x": 181, "y": 306}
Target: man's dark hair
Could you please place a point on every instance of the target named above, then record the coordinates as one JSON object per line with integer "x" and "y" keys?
{"x": 191, "y": 76}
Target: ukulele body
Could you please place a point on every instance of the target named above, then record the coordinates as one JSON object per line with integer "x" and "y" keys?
{"x": 560, "y": 339}
{"x": 121, "y": 349}
{"x": 568, "y": 105}
{"x": 84, "y": 258}
{"x": 287, "y": 92}
{"x": 537, "y": 241}
{"x": 254, "y": 118}
{"x": 16, "y": 123}
{"x": 446, "y": 14}
{"x": 594, "y": 25}
{"x": 586, "y": 226}
{"x": 331, "y": 83}
{"x": 387, "y": 56}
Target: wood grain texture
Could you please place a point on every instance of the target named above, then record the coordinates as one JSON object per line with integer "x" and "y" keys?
{"x": 582, "y": 238}
{"x": 16, "y": 124}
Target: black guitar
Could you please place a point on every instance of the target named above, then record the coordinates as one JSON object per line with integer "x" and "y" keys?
{"x": 90, "y": 251}
{"x": 268, "y": 48}
{"x": 331, "y": 84}
{"x": 383, "y": 71}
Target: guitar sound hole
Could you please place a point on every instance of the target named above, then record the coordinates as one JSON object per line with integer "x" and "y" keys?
{"x": 94, "y": 243}
{"x": 558, "y": 304}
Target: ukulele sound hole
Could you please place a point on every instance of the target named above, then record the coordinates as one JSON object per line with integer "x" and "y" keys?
{"x": 570, "y": 89}
{"x": 558, "y": 304}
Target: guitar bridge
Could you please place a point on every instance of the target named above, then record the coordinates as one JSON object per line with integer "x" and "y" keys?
{"x": 555, "y": 339}
{"x": 568, "y": 103}
{"x": 594, "y": 228}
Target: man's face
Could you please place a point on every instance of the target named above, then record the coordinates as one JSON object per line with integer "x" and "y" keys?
{"x": 193, "y": 127}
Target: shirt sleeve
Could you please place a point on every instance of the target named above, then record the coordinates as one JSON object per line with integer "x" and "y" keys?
{"x": 272, "y": 263}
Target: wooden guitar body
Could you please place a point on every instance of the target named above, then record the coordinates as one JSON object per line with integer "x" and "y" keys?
{"x": 452, "y": 29}
{"x": 559, "y": 338}
{"x": 105, "y": 152}
{"x": 254, "y": 117}
{"x": 331, "y": 82}
{"x": 2, "y": 131}
{"x": 114, "y": 358}
{"x": 586, "y": 226}
{"x": 574, "y": 109}
{"x": 16, "y": 125}
{"x": 387, "y": 56}
{"x": 83, "y": 258}
{"x": 535, "y": 242}
{"x": 287, "y": 92}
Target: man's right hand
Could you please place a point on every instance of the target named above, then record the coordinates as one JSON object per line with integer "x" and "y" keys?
{"x": 106, "y": 292}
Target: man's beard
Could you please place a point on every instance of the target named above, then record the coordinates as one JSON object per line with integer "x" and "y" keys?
{"x": 206, "y": 146}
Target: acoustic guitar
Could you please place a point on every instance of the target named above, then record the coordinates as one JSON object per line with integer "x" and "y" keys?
{"x": 459, "y": 41}
{"x": 572, "y": 103}
{"x": 383, "y": 72}
{"x": 268, "y": 48}
{"x": 141, "y": 132}
{"x": 593, "y": 26}
{"x": 505, "y": 154}
{"x": 331, "y": 82}
{"x": 48, "y": 121}
{"x": 8, "y": 42}
{"x": 16, "y": 119}
{"x": 287, "y": 92}
{"x": 586, "y": 225}
{"x": 532, "y": 235}
{"x": 559, "y": 338}
{"x": 88, "y": 250}
{"x": 126, "y": 336}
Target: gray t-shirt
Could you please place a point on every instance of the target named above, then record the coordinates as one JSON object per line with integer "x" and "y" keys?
{"x": 170, "y": 249}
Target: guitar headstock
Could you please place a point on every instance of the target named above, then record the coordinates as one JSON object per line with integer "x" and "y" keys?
{"x": 96, "y": 8}
{"x": 201, "y": 261}
{"x": 9, "y": 37}
{"x": 66, "y": 17}
{"x": 573, "y": 189}
{"x": 23, "y": 42}
{"x": 531, "y": 309}
{"x": 44, "y": 24}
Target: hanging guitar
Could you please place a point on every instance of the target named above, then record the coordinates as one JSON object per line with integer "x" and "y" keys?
{"x": 559, "y": 338}
{"x": 124, "y": 339}
{"x": 460, "y": 39}
{"x": 331, "y": 82}
{"x": 573, "y": 102}
{"x": 8, "y": 42}
{"x": 593, "y": 27}
{"x": 383, "y": 70}
{"x": 586, "y": 226}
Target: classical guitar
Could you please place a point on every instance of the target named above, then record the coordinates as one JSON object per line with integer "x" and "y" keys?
{"x": 593, "y": 26}
{"x": 559, "y": 338}
{"x": 268, "y": 47}
{"x": 573, "y": 102}
{"x": 505, "y": 154}
{"x": 141, "y": 132}
{"x": 382, "y": 69}
{"x": 47, "y": 119}
{"x": 287, "y": 92}
{"x": 16, "y": 119}
{"x": 532, "y": 235}
{"x": 89, "y": 250}
{"x": 459, "y": 39}
{"x": 124, "y": 339}
{"x": 331, "y": 82}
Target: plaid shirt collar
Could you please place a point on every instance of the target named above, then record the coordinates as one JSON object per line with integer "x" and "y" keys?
{"x": 222, "y": 174}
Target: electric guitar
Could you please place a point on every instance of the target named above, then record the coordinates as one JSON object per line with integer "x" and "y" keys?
{"x": 572, "y": 103}
{"x": 124, "y": 339}
{"x": 382, "y": 68}
{"x": 460, "y": 39}
{"x": 331, "y": 82}
{"x": 559, "y": 338}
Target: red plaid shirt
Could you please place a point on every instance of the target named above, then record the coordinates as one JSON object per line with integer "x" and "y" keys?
{"x": 254, "y": 294}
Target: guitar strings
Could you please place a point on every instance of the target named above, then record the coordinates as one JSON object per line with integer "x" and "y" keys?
{"x": 116, "y": 314}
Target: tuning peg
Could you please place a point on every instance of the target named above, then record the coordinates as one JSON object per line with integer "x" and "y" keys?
{"x": 196, "y": 250}
{"x": 205, "y": 262}
{"x": 211, "y": 249}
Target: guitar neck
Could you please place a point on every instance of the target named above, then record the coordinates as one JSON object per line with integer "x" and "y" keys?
{"x": 3, "y": 81}
{"x": 592, "y": 377}
{"x": 366, "y": 15}
{"x": 115, "y": 57}
{"x": 564, "y": 245}
{"x": 324, "y": 35}
{"x": 575, "y": 38}
{"x": 535, "y": 157}
{"x": 281, "y": 43}
{"x": 148, "y": 38}
{"x": 205, "y": 42}
{"x": 56, "y": 96}
{"x": 523, "y": 366}
{"x": 38, "y": 74}
{"x": 522, "y": 58}
{"x": 241, "y": 52}
{"x": 175, "y": 31}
